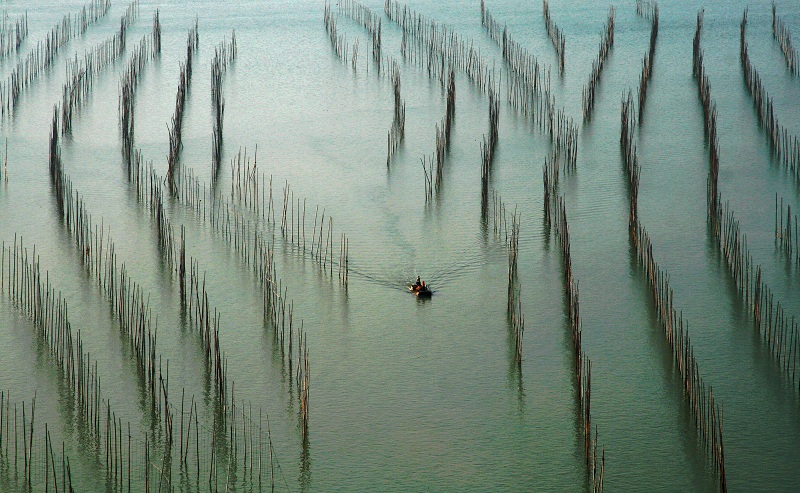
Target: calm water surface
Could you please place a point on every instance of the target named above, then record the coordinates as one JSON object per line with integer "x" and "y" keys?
{"x": 423, "y": 396}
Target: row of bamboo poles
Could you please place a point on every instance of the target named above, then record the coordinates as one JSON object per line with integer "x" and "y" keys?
{"x": 434, "y": 176}
{"x": 707, "y": 414}
{"x": 784, "y": 144}
{"x": 371, "y": 22}
{"x": 12, "y": 35}
{"x": 606, "y": 42}
{"x": 235, "y": 452}
{"x": 581, "y": 362}
{"x": 32, "y": 292}
{"x": 777, "y": 329}
{"x": 397, "y": 130}
{"x": 784, "y": 230}
{"x": 630, "y": 158}
{"x": 81, "y": 73}
{"x": 98, "y": 256}
{"x": 258, "y": 253}
{"x": 41, "y": 57}
{"x": 251, "y": 191}
{"x": 648, "y": 10}
{"x": 488, "y": 146}
{"x": 514, "y": 308}
{"x": 79, "y": 381}
{"x": 224, "y": 54}
{"x": 255, "y": 250}
{"x": 129, "y": 81}
{"x": 508, "y": 233}
{"x": 438, "y": 48}
{"x": 194, "y": 303}
{"x": 194, "y": 299}
{"x": 781, "y": 34}
{"x": 176, "y": 124}
{"x": 198, "y": 307}
{"x": 338, "y": 41}
{"x": 709, "y": 119}
{"x": 246, "y": 238}
{"x": 555, "y": 34}
{"x": 528, "y": 90}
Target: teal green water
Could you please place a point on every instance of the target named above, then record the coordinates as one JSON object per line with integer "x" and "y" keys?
{"x": 423, "y": 396}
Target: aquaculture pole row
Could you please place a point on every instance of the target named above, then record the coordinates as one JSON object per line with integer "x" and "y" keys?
{"x": 488, "y": 146}
{"x": 438, "y": 48}
{"x": 128, "y": 84}
{"x": 630, "y": 158}
{"x": 648, "y": 10}
{"x": 786, "y": 232}
{"x": 785, "y": 145}
{"x": 371, "y": 22}
{"x": 434, "y": 179}
{"x": 11, "y": 36}
{"x": 778, "y": 329}
{"x": 556, "y": 35}
{"x": 707, "y": 414}
{"x": 338, "y": 41}
{"x": 581, "y": 362}
{"x": 81, "y": 73}
{"x": 514, "y": 307}
{"x": 783, "y": 36}
{"x": 32, "y": 293}
{"x": 43, "y": 55}
{"x": 97, "y": 251}
{"x": 224, "y": 54}
{"x": 606, "y": 42}
{"x": 194, "y": 302}
{"x": 398, "y": 129}
{"x": 710, "y": 121}
{"x": 528, "y": 90}
{"x": 175, "y": 126}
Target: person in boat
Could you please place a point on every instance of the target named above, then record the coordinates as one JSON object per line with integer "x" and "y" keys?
{"x": 417, "y": 284}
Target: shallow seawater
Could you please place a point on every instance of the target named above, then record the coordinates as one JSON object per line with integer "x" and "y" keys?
{"x": 409, "y": 394}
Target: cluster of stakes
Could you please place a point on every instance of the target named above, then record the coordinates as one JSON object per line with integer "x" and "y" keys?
{"x": 488, "y": 146}
{"x": 82, "y": 73}
{"x": 398, "y": 129}
{"x": 140, "y": 55}
{"x": 595, "y": 465}
{"x": 785, "y": 145}
{"x": 371, "y": 22}
{"x": 176, "y": 125}
{"x": 224, "y": 54}
{"x": 707, "y": 415}
{"x": 528, "y": 90}
{"x": 606, "y": 42}
{"x": 12, "y": 34}
{"x": 434, "y": 177}
{"x": 648, "y": 10}
{"x": 40, "y": 58}
{"x": 338, "y": 41}
{"x": 784, "y": 231}
{"x": 709, "y": 118}
{"x": 438, "y": 48}
{"x": 556, "y": 35}
{"x": 783, "y": 36}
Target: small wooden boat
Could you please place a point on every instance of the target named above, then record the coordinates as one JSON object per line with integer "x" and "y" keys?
{"x": 420, "y": 291}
